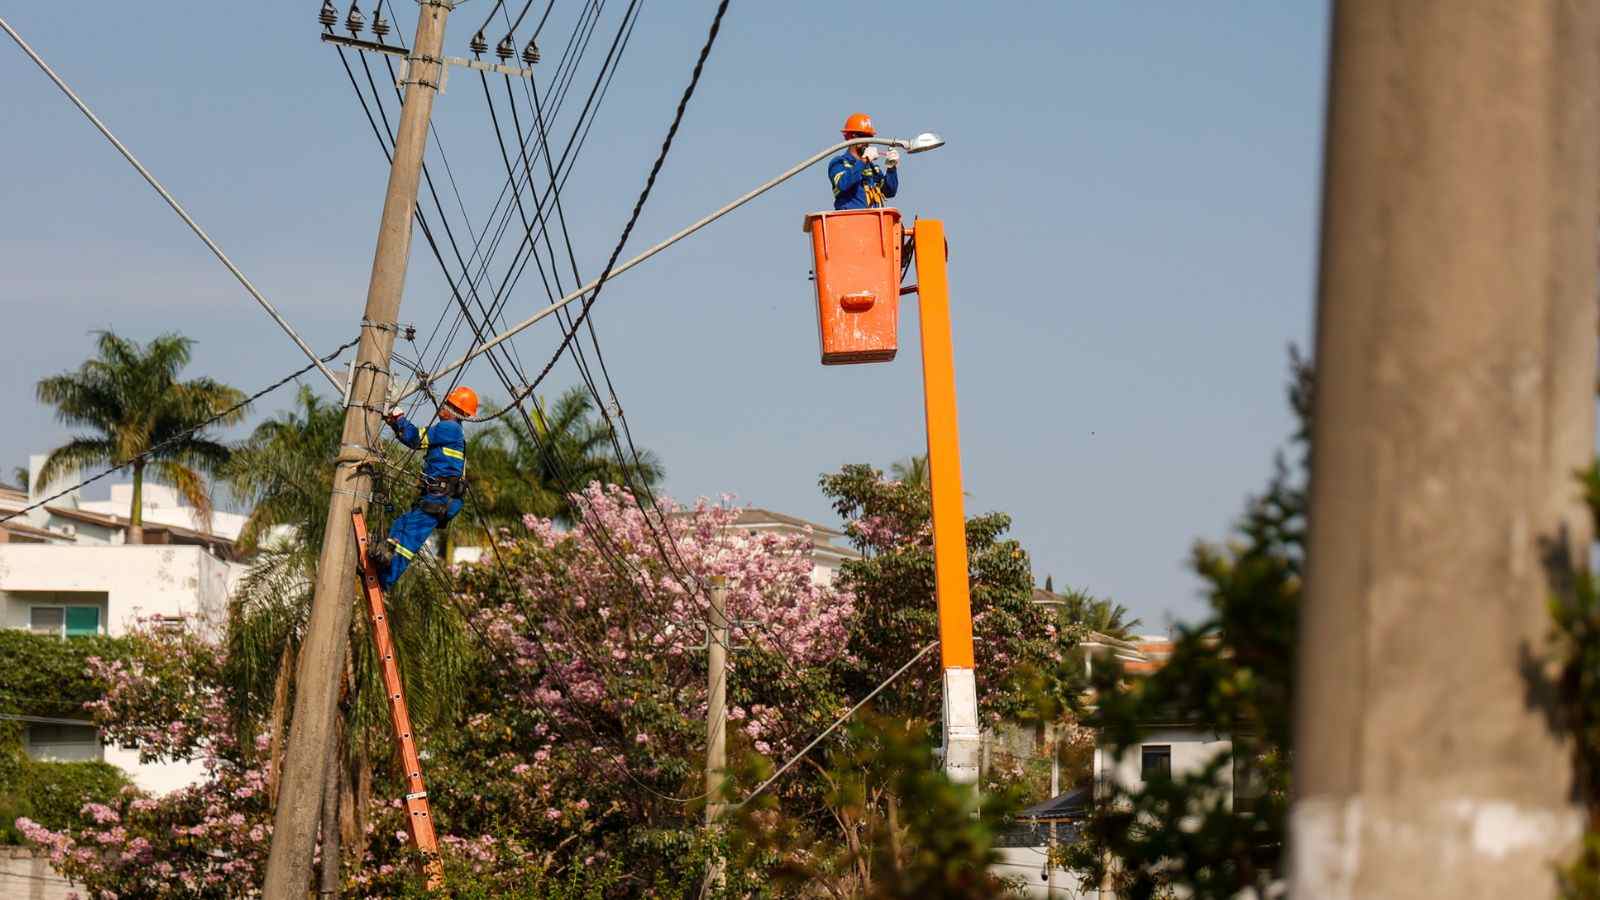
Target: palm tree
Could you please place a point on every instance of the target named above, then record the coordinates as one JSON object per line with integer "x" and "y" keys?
{"x": 566, "y": 451}
{"x": 912, "y": 470}
{"x": 144, "y": 418}
{"x": 1101, "y": 615}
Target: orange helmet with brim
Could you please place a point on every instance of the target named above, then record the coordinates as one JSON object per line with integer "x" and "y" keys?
{"x": 859, "y": 125}
{"x": 464, "y": 401}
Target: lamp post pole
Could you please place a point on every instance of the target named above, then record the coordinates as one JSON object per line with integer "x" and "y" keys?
{"x": 962, "y": 741}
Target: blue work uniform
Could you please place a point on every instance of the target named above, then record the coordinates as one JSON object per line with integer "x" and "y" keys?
{"x": 858, "y": 184}
{"x": 444, "y": 462}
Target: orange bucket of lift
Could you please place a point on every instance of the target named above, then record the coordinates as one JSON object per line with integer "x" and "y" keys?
{"x": 857, "y": 254}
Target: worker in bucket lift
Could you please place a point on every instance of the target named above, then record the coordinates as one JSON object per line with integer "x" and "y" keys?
{"x": 858, "y": 181}
{"x": 444, "y": 465}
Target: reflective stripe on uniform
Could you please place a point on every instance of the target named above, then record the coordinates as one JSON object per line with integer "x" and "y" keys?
{"x": 453, "y": 453}
{"x": 400, "y": 549}
{"x": 422, "y": 440}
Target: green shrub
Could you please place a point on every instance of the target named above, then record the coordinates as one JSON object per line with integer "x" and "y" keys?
{"x": 43, "y": 675}
{"x": 51, "y": 793}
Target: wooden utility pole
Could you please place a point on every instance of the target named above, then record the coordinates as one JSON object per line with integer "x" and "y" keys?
{"x": 1455, "y": 359}
{"x": 321, "y": 655}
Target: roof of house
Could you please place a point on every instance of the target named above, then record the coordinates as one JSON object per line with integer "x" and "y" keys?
{"x": 822, "y": 536}
{"x": 1073, "y": 804}
{"x": 755, "y": 515}
{"x": 16, "y": 526}
{"x": 183, "y": 535}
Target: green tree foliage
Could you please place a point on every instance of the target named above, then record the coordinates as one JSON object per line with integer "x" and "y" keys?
{"x": 890, "y": 522}
{"x": 1218, "y": 831}
{"x": 1575, "y": 612}
{"x": 45, "y": 675}
{"x": 52, "y": 794}
{"x": 130, "y": 399}
{"x": 517, "y": 472}
{"x": 908, "y": 831}
{"x": 1097, "y": 614}
{"x": 912, "y": 470}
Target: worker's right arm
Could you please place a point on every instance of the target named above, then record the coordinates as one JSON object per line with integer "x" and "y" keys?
{"x": 846, "y": 177}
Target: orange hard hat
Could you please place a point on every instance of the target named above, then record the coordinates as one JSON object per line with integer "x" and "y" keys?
{"x": 464, "y": 400}
{"x": 859, "y": 123}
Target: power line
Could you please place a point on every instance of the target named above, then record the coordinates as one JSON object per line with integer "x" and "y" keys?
{"x": 184, "y": 435}
{"x": 176, "y": 206}
{"x": 836, "y": 723}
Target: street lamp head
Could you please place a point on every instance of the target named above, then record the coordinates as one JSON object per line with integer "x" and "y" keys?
{"x": 924, "y": 141}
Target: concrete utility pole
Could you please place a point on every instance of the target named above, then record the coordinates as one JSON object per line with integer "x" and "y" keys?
{"x": 716, "y": 710}
{"x": 311, "y": 734}
{"x": 717, "y": 694}
{"x": 1455, "y": 401}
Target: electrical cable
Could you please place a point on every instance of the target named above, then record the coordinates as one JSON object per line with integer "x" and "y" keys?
{"x": 172, "y": 202}
{"x": 837, "y": 722}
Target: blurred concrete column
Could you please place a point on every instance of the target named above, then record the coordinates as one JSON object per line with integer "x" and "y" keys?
{"x": 1456, "y": 398}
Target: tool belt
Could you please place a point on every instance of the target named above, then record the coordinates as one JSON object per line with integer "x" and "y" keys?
{"x": 436, "y": 492}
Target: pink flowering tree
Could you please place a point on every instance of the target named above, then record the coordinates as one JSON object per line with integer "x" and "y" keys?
{"x": 207, "y": 840}
{"x": 586, "y": 744}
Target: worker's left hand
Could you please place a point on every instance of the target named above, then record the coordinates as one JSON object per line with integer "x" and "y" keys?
{"x": 892, "y": 158}
{"x": 394, "y": 414}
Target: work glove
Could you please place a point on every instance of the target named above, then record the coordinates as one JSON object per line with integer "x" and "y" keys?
{"x": 394, "y": 414}
{"x": 870, "y": 154}
{"x": 892, "y": 159}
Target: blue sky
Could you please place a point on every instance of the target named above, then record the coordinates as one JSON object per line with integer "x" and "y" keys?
{"x": 1130, "y": 192}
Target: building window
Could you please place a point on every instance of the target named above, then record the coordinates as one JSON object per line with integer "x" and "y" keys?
{"x": 64, "y": 621}
{"x": 47, "y": 619}
{"x": 63, "y": 743}
{"x": 1155, "y": 760}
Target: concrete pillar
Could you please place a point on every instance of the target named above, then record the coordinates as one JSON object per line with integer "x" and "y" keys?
{"x": 1455, "y": 399}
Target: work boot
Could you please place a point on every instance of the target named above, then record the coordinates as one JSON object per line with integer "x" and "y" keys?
{"x": 381, "y": 554}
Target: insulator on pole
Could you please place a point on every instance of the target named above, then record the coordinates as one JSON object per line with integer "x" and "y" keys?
{"x": 505, "y": 48}
{"x": 380, "y": 25}
{"x": 329, "y": 16}
{"x": 479, "y": 45}
{"x": 530, "y": 53}
{"x": 355, "y": 19}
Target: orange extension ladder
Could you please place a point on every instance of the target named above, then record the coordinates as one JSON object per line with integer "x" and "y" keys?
{"x": 418, "y": 820}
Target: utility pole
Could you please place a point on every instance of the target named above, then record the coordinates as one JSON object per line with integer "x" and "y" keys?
{"x": 1055, "y": 791}
{"x": 716, "y": 708}
{"x": 717, "y": 697}
{"x": 1454, "y": 402}
{"x": 311, "y": 734}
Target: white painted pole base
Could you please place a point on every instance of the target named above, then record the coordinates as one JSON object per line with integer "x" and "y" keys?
{"x": 963, "y": 745}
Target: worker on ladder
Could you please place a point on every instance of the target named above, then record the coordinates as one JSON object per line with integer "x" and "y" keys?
{"x": 444, "y": 466}
{"x": 858, "y": 182}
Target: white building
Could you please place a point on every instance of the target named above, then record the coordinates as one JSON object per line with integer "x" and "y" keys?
{"x": 67, "y": 569}
{"x": 1166, "y": 748}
